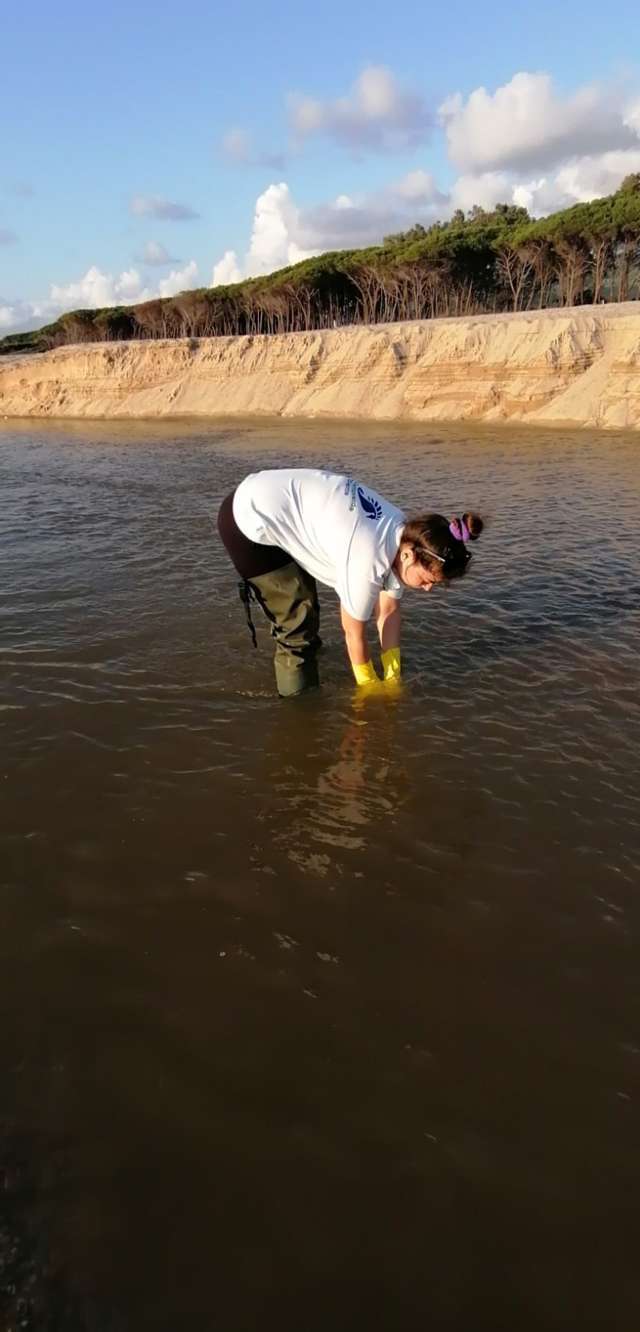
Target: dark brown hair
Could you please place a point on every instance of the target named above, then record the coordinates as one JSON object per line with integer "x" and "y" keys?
{"x": 435, "y": 546}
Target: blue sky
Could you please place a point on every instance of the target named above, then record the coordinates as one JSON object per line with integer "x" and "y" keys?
{"x": 145, "y": 145}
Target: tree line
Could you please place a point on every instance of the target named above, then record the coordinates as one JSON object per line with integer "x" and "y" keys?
{"x": 478, "y": 263}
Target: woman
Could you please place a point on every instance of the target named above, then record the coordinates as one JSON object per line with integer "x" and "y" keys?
{"x": 284, "y": 529}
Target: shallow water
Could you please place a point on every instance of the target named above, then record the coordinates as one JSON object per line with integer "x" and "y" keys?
{"x": 318, "y": 1014}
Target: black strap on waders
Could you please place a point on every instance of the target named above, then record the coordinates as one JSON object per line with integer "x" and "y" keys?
{"x": 247, "y": 595}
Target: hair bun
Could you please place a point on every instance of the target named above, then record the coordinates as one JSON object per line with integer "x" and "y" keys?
{"x": 475, "y": 525}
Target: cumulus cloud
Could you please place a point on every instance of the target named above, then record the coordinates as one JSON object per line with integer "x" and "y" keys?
{"x": 19, "y": 316}
{"x": 418, "y": 187}
{"x": 238, "y": 147}
{"x": 486, "y": 189}
{"x": 7, "y": 317}
{"x": 274, "y": 238}
{"x": 180, "y": 279}
{"x": 541, "y": 195}
{"x": 227, "y": 270}
{"x": 94, "y": 290}
{"x": 576, "y": 181}
{"x": 7, "y": 237}
{"x": 593, "y": 176}
{"x": 156, "y": 255}
{"x": 346, "y": 222}
{"x": 632, "y": 117}
{"x": 525, "y": 125}
{"x": 275, "y": 223}
{"x": 151, "y": 205}
{"x": 283, "y": 233}
{"x": 377, "y": 114}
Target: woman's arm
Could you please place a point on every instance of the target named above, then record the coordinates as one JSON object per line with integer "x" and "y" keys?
{"x": 358, "y": 648}
{"x": 355, "y": 634}
{"x": 388, "y": 621}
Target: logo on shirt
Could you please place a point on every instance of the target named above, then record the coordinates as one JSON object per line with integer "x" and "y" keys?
{"x": 370, "y": 506}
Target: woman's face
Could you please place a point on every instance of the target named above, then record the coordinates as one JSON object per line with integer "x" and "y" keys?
{"x": 411, "y": 572}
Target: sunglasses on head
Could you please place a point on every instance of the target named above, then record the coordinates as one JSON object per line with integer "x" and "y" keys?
{"x": 450, "y": 561}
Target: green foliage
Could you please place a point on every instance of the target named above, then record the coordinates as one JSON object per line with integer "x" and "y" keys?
{"x": 20, "y": 342}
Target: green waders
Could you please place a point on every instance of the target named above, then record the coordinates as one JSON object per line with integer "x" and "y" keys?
{"x": 289, "y": 599}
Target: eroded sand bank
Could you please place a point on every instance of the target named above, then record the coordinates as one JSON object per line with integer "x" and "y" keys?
{"x": 578, "y": 367}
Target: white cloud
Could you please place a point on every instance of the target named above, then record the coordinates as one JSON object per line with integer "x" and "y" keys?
{"x": 128, "y": 286}
{"x": 95, "y": 290}
{"x": 156, "y": 255}
{"x": 180, "y": 279}
{"x": 151, "y": 205}
{"x": 418, "y": 187}
{"x": 632, "y": 117}
{"x": 275, "y": 223}
{"x": 539, "y": 196}
{"x": 593, "y": 176}
{"x": 283, "y": 233}
{"x": 575, "y": 181}
{"x": 399, "y": 205}
{"x": 226, "y": 270}
{"x": 377, "y": 114}
{"x": 525, "y": 124}
{"x": 18, "y": 316}
{"x": 487, "y": 189}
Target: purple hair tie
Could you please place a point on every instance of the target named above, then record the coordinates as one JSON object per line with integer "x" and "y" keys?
{"x": 458, "y": 529}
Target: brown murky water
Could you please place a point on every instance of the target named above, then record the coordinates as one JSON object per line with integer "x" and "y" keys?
{"x": 315, "y": 1015}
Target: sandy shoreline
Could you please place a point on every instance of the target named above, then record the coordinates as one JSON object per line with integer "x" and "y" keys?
{"x": 577, "y": 367}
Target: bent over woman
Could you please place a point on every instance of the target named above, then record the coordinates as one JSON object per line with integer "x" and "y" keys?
{"x": 288, "y": 529}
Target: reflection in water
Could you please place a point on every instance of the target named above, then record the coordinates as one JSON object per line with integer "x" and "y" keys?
{"x": 331, "y": 798}
{"x": 320, "y": 1013}
{"x": 347, "y": 800}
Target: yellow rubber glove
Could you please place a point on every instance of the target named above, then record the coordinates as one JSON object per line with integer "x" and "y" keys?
{"x": 391, "y": 664}
{"x": 365, "y": 674}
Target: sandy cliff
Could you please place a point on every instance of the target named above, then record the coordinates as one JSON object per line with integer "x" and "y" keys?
{"x": 578, "y": 366}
